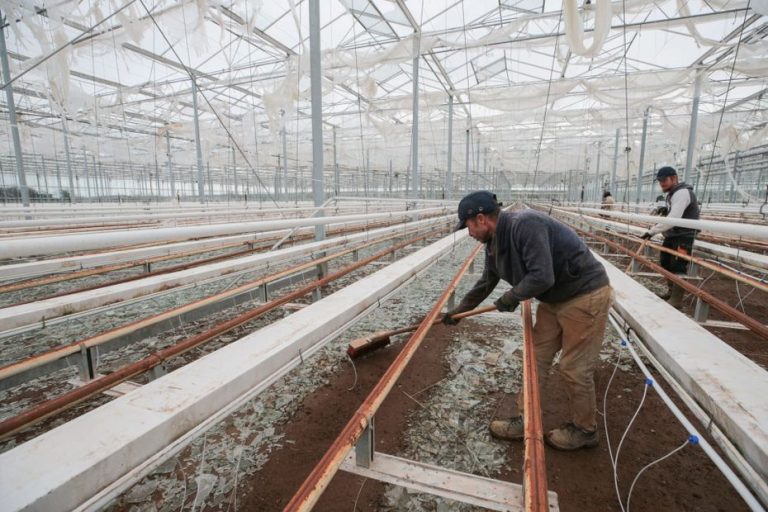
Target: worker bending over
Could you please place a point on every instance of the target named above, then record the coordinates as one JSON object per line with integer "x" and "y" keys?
{"x": 681, "y": 204}
{"x": 543, "y": 258}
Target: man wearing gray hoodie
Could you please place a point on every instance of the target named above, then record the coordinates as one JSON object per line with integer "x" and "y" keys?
{"x": 544, "y": 259}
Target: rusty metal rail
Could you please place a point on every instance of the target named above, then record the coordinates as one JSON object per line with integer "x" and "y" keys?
{"x": 534, "y": 465}
{"x": 321, "y": 475}
{"x": 742, "y": 278}
{"x": 754, "y": 325}
{"x": 75, "y": 396}
{"x": 264, "y": 243}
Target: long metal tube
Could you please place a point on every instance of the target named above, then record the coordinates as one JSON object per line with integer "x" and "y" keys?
{"x": 731, "y": 228}
{"x": 754, "y": 325}
{"x": 726, "y": 470}
{"x": 67, "y": 400}
{"x": 12, "y": 116}
{"x": 692, "y": 128}
{"x": 534, "y": 467}
{"x": 83, "y": 242}
{"x": 316, "y": 482}
{"x": 318, "y": 189}
{"x": 198, "y": 146}
{"x": 615, "y": 163}
{"x": 415, "y": 181}
{"x": 72, "y": 348}
{"x": 448, "y": 176}
{"x": 743, "y": 278}
{"x": 638, "y": 191}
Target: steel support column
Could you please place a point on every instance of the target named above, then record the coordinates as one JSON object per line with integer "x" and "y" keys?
{"x": 448, "y": 177}
{"x": 284, "y": 170}
{"x": 170, "y": 163}
{"x": 318, "y": 191}
{"x": 597, "y": 171}
{"x": 198, "y": 147}
{"x": 12, "y": 116}
{"x": 466, "y": 177}
{"x": 638, "y": 187}
{"x": 415, "y": 185}
{"x": 692, "y": 129}
{"x": 615, "y": 162}
{"x": 336, "y": 184}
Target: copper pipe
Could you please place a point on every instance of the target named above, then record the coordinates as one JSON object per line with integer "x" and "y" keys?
{"x": 71, "y": 398}
{"x": 72, "y": 348}
{"x": 757, "y": 327}
{"x": 31, "y": 283}
{"x": 534, "y": 466}
{"x": 321, "y": 475}
{"x": 746, "y": 279}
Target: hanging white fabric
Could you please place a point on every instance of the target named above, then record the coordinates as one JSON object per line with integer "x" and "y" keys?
{"x": 574, "y": 30}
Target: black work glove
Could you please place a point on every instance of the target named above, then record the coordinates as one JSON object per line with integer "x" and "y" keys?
{"x": 647, "y": 235}
{"x": 449, "y": 320}
{"x": 506, "y": 304}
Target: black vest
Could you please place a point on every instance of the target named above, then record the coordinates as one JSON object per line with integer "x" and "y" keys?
{"x": 691, "y": 212}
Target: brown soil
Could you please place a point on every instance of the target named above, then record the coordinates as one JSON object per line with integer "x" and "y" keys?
{"x": 583, "y": 480}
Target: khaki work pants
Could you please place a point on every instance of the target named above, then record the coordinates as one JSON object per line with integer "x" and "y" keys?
{"x": 576, "y": 327}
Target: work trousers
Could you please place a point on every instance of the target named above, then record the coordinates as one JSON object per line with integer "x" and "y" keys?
{"x": 681, "y": 244}
{"x": 576, "y": 327}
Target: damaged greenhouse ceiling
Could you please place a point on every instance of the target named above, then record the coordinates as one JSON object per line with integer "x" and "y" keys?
{"x": 535, "y": 87}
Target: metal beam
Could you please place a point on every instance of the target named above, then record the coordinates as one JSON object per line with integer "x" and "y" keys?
{"x": 12, "y": 117}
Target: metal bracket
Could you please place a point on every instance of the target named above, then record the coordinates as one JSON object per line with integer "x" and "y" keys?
{"x": 365, "y": 446}
{"x": 87, "y": 363}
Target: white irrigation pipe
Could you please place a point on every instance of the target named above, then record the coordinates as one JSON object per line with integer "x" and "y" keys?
{"x": 734, "y": 254}
{"x": 31, "y": 246}
{"x": 30, "y": 269}
{"x": 12, "y": 317}
{"x": 119, "y": 217}
{"x": 713, "y": 226}
{"x": 724, "y": 468}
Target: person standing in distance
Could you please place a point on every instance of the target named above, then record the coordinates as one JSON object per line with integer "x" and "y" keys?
{"x": 681, "y": 204}
{"x": 544, "y": 259}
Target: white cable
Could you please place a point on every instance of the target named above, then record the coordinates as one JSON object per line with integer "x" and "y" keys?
{"x": 605, "y": 426}
{"x": 726, "y": 470}
{"x": 355, "y": 370}
{"x": 691, "y": 440}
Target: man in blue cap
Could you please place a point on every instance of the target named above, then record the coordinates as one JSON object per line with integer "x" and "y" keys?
{"x": 681, "y": 204}
{"x": 544, "y": 259}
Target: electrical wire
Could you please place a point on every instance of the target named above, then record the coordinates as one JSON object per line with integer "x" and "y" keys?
{"x": 210, "y": 106}
{"x": 725, "y": 101}
{"x": 647, "y": 466}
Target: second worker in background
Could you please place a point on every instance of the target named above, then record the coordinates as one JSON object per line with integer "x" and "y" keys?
{"x": 544, "y": 259}
{"x": 681, "y": 203}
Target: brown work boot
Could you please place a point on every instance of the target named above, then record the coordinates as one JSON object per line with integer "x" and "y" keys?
{"x": 509, "y": 430}
{"x": 676, "y": 297}
{"x": 571, "y": 437}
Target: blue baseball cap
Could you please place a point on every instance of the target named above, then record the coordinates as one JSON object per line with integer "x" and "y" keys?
{"x": 473, "y": 203}
{"x": 665, "y": 172}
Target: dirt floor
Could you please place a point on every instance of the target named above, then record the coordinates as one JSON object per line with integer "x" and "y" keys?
{"x": 583, "y": 480}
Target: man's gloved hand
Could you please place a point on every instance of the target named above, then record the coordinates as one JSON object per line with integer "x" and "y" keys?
{"x": 505, "y": 304}
{"x": 647, "y": 235}
{"x": 448, "y": 320}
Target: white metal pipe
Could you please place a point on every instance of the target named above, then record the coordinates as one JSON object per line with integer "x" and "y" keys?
{"x": 753, "y": 231}
{"x": 46, "y": 309}
{"x": 61, "y": 469}
{"x": 734, "y": 254}
{"x": 724, "y": 468}
{"x": 728, "y": 385}
{"x": 198, "y": 216}
{"x": 56, "y": 265}
{"x": 31, "y": 246}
